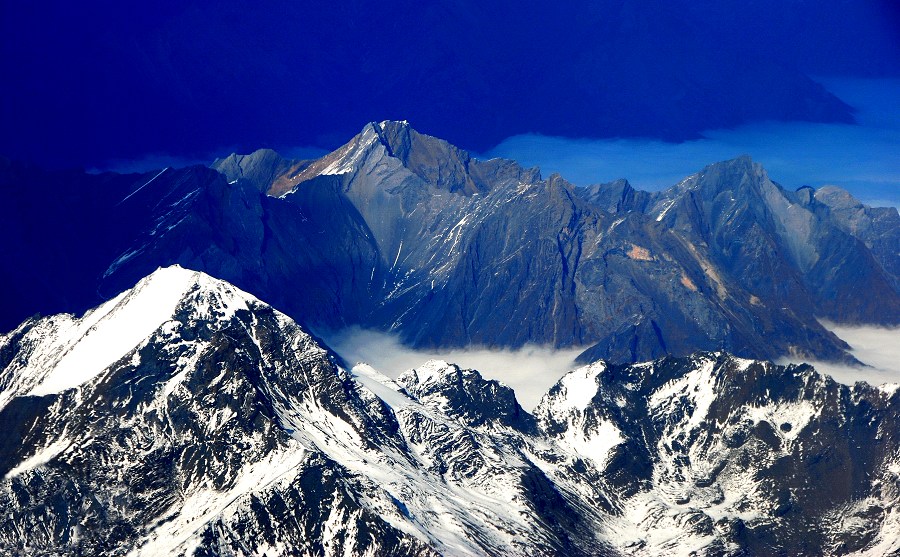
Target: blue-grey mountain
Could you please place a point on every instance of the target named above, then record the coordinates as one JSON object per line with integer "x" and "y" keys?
{"x": 402, "y": 232}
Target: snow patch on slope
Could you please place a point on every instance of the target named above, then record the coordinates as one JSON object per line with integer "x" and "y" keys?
{"x": 40, "y": 458}
{"x": 188, "y": 516}
{"x": 586, "y": 433}
{"x": 698, "y": 387}
{"x": 350, "y": 160}
{"x": 594, "y": 443}
{"x": 796, "y": 415}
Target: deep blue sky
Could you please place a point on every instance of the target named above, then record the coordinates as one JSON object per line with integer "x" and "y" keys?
{"x": 92, "y": 83}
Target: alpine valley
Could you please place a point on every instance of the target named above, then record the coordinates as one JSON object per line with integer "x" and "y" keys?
{"x": 178, "y": 399}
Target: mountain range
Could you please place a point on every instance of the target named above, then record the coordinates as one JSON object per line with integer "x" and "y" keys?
{"x": 186, "y": 417}
{"x": 164, "y": 389}
{"x": 401, "y": 232}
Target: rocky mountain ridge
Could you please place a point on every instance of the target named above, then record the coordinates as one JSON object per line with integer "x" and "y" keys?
{"x": 401, "y": 232}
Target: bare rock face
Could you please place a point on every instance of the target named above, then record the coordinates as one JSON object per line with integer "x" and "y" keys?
{"x": 187, "y": 417}
{"x": 749, "y": 224}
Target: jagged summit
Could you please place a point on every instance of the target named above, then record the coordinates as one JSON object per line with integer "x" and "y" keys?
{"x": 264, "y": 168}
{"x": 396, "y": 135}
{"x": 445, "y": 166}
{"x": 732, "y": 174}
{"x": 738, "y": 175}
{"x": 618, "y": 196}
{"x": 464, "y": 393}
{"x": 433, "y": 160}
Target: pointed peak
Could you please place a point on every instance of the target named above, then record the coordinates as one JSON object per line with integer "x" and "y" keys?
{"x": 172, "y": 274}
{"x": 346, "y": 159}
{"x": 574, "y": 391}
{"x": 207, "y": 294}
{"x": 413, "y": 149}
{"x": 108, "y": 332}
{"x": 620, "y": 186}
{"x": 432, "y": 159}
{"x": 222, "y": 164}
{"x": 836, "y": 197}
{"x": 88, "y": 345}
{"x": 619, "y": 183}
{"x": 388, "y": 126}
{"x": 166, "y": 281}
{"x": 730, "y": 175}
{"x": 396, "y": 136}
{"x": 556, "y": 177}
{"x": 436, "y": 161}
{"x": 618, "y": 196}
{"x": 263, "y": 153}
{"x": 264, "y": 168}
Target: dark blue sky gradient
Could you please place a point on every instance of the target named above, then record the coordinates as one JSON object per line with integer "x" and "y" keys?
{"x": 87, "y": 83}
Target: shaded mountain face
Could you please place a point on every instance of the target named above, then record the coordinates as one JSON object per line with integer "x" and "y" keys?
{"x": 403, "y": 232}
{"x": 186, "y": 417}
{"x": 876, "y": 227}
{"x": 62, "y": 229}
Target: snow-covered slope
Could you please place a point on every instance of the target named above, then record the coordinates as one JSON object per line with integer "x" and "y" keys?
{"x": 63, "y": 352}
{"x": 186, "y": 417}
{"x": 172, "y": 443}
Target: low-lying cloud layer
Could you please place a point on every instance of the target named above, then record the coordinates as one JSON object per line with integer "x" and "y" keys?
{"x": 876, "y": 347}
{"x": 530, "y": 371}
{"x": 861, "y": 158}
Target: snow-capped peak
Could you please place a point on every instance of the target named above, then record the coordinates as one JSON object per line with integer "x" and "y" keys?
{"x": 69, "y": 351}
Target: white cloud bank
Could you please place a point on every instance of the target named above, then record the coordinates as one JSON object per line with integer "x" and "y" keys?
{"x": 877, "y": 347}
{"x": 860, "y": 158}
{"x": 530, "y": 371}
